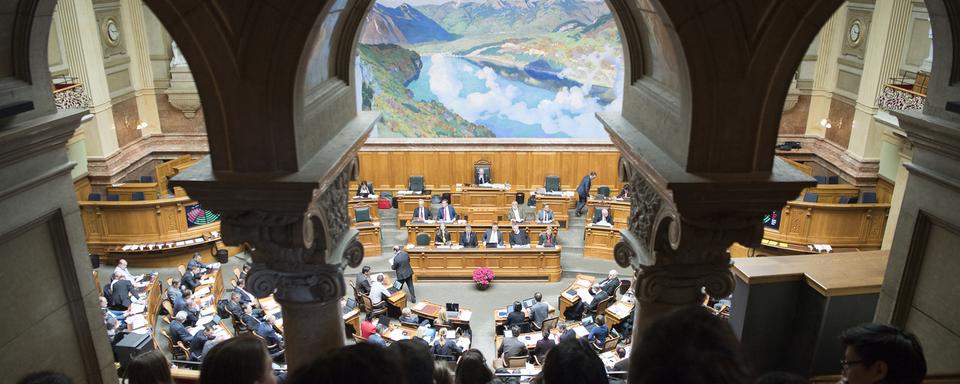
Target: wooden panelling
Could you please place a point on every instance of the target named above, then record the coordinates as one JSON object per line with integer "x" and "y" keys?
{"x": 619, "y": 209}
{"x": 884, "y": 190}
{"x": 150, "y": 191}
{"x": 523, "y": 166}
{"x": 806, "y": 169}
{"x": 370, "y": 237}
{"x": 599, "y": 241}
{"x": 524, "y": 263}
{"x": 833, "y": 274}
{"x": 831, "y": 193}
{"x": 354, "y": 203}
{"x": 170, "y": 168}
{"x": 82, "y": 188}
{"x": 839, "y": 225}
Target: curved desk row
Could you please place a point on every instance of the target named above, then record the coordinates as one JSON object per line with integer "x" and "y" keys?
{"x": 520, "y": 264}
{"x": 457, "y": 229}
{"x": 147, "y": 233}
{"x": 838, "y": 225}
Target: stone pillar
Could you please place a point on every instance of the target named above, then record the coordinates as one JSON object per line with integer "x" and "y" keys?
{"x": 303, "y": 242}
{"x": 84, "y": 55}
{"x": 182, "y": 93}
{"x": 140, "y": 71}
{"x": 888, "y": 29}
{"x": 905, "y": 152}
{"x": 825, "y": 72}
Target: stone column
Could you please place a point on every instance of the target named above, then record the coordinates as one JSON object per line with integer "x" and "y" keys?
{"x": 84, "y": 55}
{"x": 885, "y": 36}
{"x": 140, "y": 71}
{"x": 182, "y": 92}
{"x": 905, "y": 152}
{"x": 303, "y": 242}
{"x": 825, "y": 72}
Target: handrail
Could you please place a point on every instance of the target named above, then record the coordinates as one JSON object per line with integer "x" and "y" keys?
{"x": 134, "y": 203}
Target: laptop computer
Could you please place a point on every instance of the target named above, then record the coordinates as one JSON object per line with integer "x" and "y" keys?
{"x": 349, "y": 305}
{"x": 453, "y": 310}
{"x": 527, "y": 303}
{"x": 588, "y": 323}
{"x": 395, "y": 287}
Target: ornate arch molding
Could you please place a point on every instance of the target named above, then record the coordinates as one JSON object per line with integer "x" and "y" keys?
{"x": 945, "y": 74}
{"x": 28, "y": 84}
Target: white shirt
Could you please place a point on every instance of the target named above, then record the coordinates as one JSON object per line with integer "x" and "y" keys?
{"x": 493, "y": 237}
{"x": 377, "y": 292}
{"x": 124, "y": 272}
{"x": 445, "y": 213}
{"x": 516, "y": 214}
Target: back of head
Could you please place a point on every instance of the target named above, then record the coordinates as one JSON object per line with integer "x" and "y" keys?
{"x": 472, "y": 368}
{"x": 778, "y": 377}
{"x": 46, "y": 377}
{"x": 517, "y": 306}
{"x": 689, "y": 345}
{"x": 573, "y": 361}
{"x": 149, "y": 368}
{"x": 239, "y": 360}
{"x": 359, "y": 363}
{"x": 899, "y": 349}
{"x": 538, "y": 297}
{"x": 441, "y": 374}
{"x": 415, "y": 359}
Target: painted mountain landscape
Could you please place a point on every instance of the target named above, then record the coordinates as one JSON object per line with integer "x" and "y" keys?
{"x": 490, "y": 68}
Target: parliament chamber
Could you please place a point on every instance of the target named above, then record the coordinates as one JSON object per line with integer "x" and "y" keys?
{"x": 302, "y": 180}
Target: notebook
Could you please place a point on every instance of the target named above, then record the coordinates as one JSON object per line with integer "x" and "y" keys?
{"x": 395, "y": 287}
{"x": 349, "y": 305}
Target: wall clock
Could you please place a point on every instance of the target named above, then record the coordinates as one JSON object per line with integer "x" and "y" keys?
{"x": 855, "y": 34}
{"x": 111, "y": 31}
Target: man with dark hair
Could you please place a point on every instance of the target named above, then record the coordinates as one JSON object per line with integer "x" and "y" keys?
{"x": 363, "y": 280}
{"x": 574, "y": 362}
{"x": 416, "y": 360}
{"x": 880, "y": 353}
{"x": 189, "y": 279}
{"x": 512, "y": 346}
{"x": 539, "y": 310}
{"x": 197, "y": 261}
{"x": 515, "y": 316}
{"x": 583, "y": 191}
{"x": 359, "y": 363}
{"x": 198, "y": 341}
{"x": 401, "y": 265}
{"x": 45, "y": 377}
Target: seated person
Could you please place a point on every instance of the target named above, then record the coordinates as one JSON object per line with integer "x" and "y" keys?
{"x": 611, "y": 283}
{"x": 598, "y": 335}
{"x": 565, "y": 334}
{"x": 441, "y": 320}
{"x": 364, "y": 189}
{"x": 444, "y": 346}
{"x": 468, "y": 239}
{"x": 599, "y": 295}
{"x": 244, "y": 271}
{"x": 376, "y": 338}
{"x": 197, "y": 261}
{"x": 193, "y": 313}
{"x": 248, "y": 317}
{"x": 241, "y": 288}
{"x": 378, "y": 292}
{"x": 603, "y": 218}
{"x": 178, "y": 332}
{"x": 516, "y": 316}
{"x": 442, "y": 237}
{"x": 198, "y": 341}
{"x": 516, "y": 213}
{"x": 234, "y": 306}
{"x": 181, "y": 303}
{"x": 493, "y": 237}
{"x": 368, "y": 326}
{"x": 544, "y": 345}
{"x": 623, "y": 364}
{"x": 191, "y": 279}
{"x": 512, "y": 346}
{"x": 407, "y": 316}
{"x": 421, "y": 213}
{"x": 174, "y": 291}
{"x": 548, "y": 238}
{"x": 624, "y": 192}
{"x": 545, "y": 215}
{"x": 111, "y": 313}
{"x": 519, "y": 237}
{"x": 446, "y": 213}
{"x": 270, "y": 336}
{"x": 481, "y": 177}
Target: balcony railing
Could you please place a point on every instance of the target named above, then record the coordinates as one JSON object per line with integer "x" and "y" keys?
{"x": 68, "y": 93}
{"x": 905, "y": 93}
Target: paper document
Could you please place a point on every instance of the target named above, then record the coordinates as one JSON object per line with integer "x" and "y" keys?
{"x": 137, "y": 308}
{"x": 204, "y": 320}
{"x": 465, "y": 315}
{"x": 207, "y": 311}
{"x": 584, "y": 283}
{"x": 420, "y": 306}
{"x": 202, "y": 291}
{"x": 584, "y": 295}
{"x": 136, "y": 321}
{"x": 580, "y": 331}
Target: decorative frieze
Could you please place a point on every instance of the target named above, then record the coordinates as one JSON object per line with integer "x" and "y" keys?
{"x": 893, "y": 98}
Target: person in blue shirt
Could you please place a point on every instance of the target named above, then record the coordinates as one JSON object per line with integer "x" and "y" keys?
{"x": 376, "y": 338}
{"x": 598, "y": 334}
{"x": 266, "y": 331}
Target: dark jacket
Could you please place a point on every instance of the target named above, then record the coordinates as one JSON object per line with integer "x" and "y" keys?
{"x": 543, "y": 346}
{"x": 584, "y": 188}
{"x": 515, "y": 317}
{"x": 427, "y": 215}
{"x": 446, "y": 348}
{"x": 401, "y": 264}
{"x": 543, "y": 239}
{"x": 189, "y": 281}
{"x": 363, "y": 283}
{"x": 196, "y": 345}
{"x": 519, "y": 238}
{"x": 600, "y": 296}
{"x": 469, "y": 240}
{"x": 179, "y": 333}
{"x": 269, "y": 334}
{"x": 610, "y": 285}
{"x": 442, "y": 237}
{"x": 369, "y": 190}
{"x": 568, "y": 335}
{"x": 120, "y": 294}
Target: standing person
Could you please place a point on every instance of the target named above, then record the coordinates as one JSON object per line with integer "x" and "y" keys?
{"x": 583, "y": 190}
{"x": 401, "y": 264}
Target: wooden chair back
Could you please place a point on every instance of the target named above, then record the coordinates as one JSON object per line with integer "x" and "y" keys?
{"x": 602, "y": 306}
{"x": 96, "y": 278}
{"x": 610, "y": 344}
{"x": 371, "y": 310}
{"x": 168, "y": 306}
{"x": 551, "y": 322}
{"x": 236, "y": 272}
{"x": 233, "y": 283}
{"x": 182, "y": 269}
{"x": 625, "y": 286}
{"x": 359, "y": 339}
{"x": 516, "y": 362}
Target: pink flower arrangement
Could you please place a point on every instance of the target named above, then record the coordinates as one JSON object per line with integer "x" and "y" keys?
{"x": 483, "y": 275}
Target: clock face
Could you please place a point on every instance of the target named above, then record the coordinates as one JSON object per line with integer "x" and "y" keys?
{"x": 111, "y": 31}
{"x": 856, "y": 31}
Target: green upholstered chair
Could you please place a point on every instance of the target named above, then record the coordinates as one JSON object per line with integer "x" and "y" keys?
{"x": 552, "y": 183}
{"x": 362, "y": 214}
{"x": 423, "y": 239}
{"x": 416, "y": 183}
{"x": 603, "y": 191}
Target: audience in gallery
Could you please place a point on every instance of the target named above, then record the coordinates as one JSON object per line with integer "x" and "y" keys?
{"x": 778, "y": 377}
{"x": 239, "y": 360}
{"x": 45, "y": 377}
{"x": 415, "y": 360}
{"x": 441, "y": 374}
{"x": 879, "y": 353}
{"x": 149, "y": 368}
{"x": 573, "y": 362}
{"x": 472, "y": 369}
{"x": 359, "y": 363}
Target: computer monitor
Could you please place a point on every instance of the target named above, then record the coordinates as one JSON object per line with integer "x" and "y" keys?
{"x": 350, "y": 304}
{"x": 527, "y": 303}
{"x": 453, "y": 307}
{"x": 397, "y": 285}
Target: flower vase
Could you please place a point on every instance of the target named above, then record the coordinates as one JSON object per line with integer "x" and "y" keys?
{"x": 483, "y": 287}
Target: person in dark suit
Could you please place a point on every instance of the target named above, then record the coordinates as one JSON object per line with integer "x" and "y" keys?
{"x": 493, "y": 237}
{"x": 481, "y": 177}
{"x": 178, "y": 332}
{"x": 444, "y": 346}
{"x": 244, "y": 271}
{"x": 174, "y": 292}
{"x": 446, "y": 213}
{"x": 545, "y": 215}
{"x": 421, "y": 213}
{"x": 515, "y": 316}
{"x": 598, "y": 335}
{"x": 234, "y": 306}
{"x": 364, "y": 189}
{"x": 603, "y": 217}
{"x": 266, "y": 331}
{"x": 363, "y": 280}
{"x": 121, "y": 292}
{"x": 189, "y": 280}
{"x": 583, "y": 191}
{"x": 442, "y": 236}
{"x": 241, "y": 288}
{"x": 519, "y": 236}
{"x": 548, "y": 238}
{"x": 468, "y": 239}
{"x": 248, "y": 318}
{"x": 401, "y": 264}
{"x": 543, "y": 346}
{"x": 611, "y": 283}
{"x": 511, "y": 346}
{"x": 193, "y": 314}
{"x": 566, "y": 334}
{"x": 197, "y": 261}
{"x": 599, "y": 295}
{"x": 198, "y": 341}
{"x": 624, "y": 192}
{"x": 181, "y": 303}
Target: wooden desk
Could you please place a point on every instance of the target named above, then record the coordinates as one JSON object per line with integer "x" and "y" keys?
{"x": 169, "y": 169}
{"x": 561, "y": 206}
{"x": 111, "y": 225}
{"x": 521, "y": 263}
{"x": 351, "y": 318}
{"x": 831, "y": 193}
{"x": 599, "y": 241}
{"x": 483, "y": 205}
{"x": 406, "y": 204}
{"x": 566, "y": 299}
{"x": 617, "y": 312}
{"x": 457, "y": 229}
{"x": 126, "y": 190}
{"x": 428, "y": 310}
{"x": 500, "y": 314}
{"x": 839, "y": 225}
{"x": 353, "y": 203}
{"x": 370, "y": 237}
{"x": 398, "y": 300}
{"x": 620, "y": 209}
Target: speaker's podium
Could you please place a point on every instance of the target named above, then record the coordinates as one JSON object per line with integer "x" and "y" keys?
{"x": 789, "y": 310}
{"x": 131, "y": 346}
